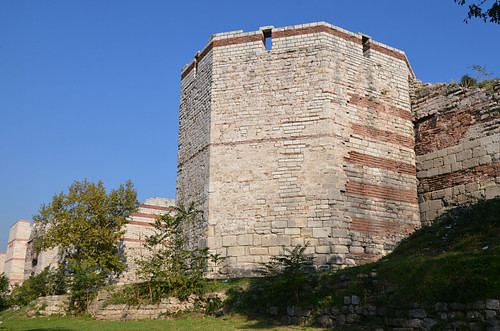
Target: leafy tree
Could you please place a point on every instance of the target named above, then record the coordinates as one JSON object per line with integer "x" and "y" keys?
{"x": 169, "y": 266}
{"x": 476, "y": 9}
{"x": 85, "y": 225}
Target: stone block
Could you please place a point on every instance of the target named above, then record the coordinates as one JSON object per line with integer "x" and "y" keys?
{"x": 214, "y": 242}
{"x": 357, "y": 249}
{"x": 268, "y": 239}
{"x": 275, "y": 251}
{"x": 492, "y": 304}
{"x": 466, "y": 154}
{"x": 258, "y": 250}
{"x": 470, "y": 163}
{"x": 244, "y": 239}
{"x": 235, "y": 251}
{"x": 306, "y": 232}
{"x": 229, "y": 241}
{"x": 321, "y": 232}
{"x": 279, "y": 224}
{"x": 478, "y": 151}
{"x": 485, "y": 160}
{"x": 340, "y": 249}
{"x": 292, "y": 231}
{"x": 282, "y": 240}
{"x": 491, "y": 192}
{"x": 297, "y": 241}
{"x": 323, "y": 249}
{"x": 315, "y": 224}
{"x": 418, "y": 313}
{"x": 297, "y": 223}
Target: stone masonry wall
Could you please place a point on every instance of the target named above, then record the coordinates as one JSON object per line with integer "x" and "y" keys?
{"x": 310, "y": 142}
{"x": 16, "y": 251}
{"x": 194, "y": 137}
{"x": 457, "y": 145}
{"x": 2, "y": 261}
{"x": 136, "y": 230}
{"x": 139, "y": 226}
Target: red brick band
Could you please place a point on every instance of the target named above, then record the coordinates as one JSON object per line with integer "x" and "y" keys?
{"x": 460, "y": 177}
{"x": 264, "y": 140}
{"x": 363, "y": 258}
{"x": 316, "y": 29}
{"x": 382, "y": 135}
{"x": 140, "y": 223}
{"x": 381, "y": 163}
{"x": 441, "y": 130}
{"x": 17, "y": 239}
{"x": 381, "y": 192}
{"x": 15, "y": 259}
{"x": 144, "y": 215}
{"x": 379, "y": 227}
{"x": 238, "y": 40}
{"x": 391, "y": 53}
{"x": 296, "y": 32}
{"x": 188, "y": 69}
{"x": 379, "y": 107}
{"x": 195, "y": 62}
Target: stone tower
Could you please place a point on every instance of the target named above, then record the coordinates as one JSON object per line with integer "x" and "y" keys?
{"x": 297, "y": 135}
{"x": 16, "y": 251}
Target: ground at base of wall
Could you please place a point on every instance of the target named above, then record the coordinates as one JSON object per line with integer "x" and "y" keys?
{"x": 186, "y": 322}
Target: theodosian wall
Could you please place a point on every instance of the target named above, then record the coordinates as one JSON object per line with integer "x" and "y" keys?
{"x": 310, "y": 142}
{"x": 457, "y": 145}
{"x": 138, "y": 227}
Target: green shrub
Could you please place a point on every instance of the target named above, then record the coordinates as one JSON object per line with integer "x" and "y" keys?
{"x": 288, "y": 271}
{"x": 48, "y": 282}
{"x": 468, "y": 81}
{"x": 4, "y": 290}
{"x": 171, "y": 268}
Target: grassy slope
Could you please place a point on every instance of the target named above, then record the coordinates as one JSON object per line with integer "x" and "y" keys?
{"x": 455, "y": 260}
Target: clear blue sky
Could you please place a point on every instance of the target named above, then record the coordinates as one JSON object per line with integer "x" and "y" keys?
{"x": 90, "y": 89}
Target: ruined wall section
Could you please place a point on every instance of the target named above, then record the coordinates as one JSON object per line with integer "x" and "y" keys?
{"x": 457, "y": 134}
{"x": 16, "y": 251}
{"x": 309, "y": 143}
{"x": 139, "y": 226}
{"x": 194, "y": 137}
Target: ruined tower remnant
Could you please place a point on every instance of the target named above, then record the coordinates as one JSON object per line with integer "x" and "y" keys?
{"x": 298, "y": 135}
{"x": 16, "y": 251}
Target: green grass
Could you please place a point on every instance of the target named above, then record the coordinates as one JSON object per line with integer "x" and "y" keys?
{"x": 455, "y": 260}
{"x": 233, "y": 322}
